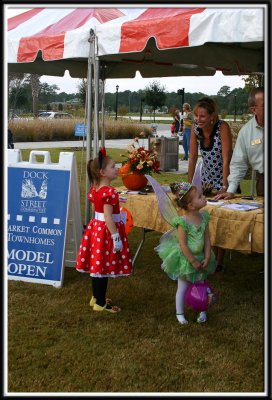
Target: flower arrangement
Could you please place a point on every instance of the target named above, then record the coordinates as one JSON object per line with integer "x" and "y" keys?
{"x": 140, "y": 159}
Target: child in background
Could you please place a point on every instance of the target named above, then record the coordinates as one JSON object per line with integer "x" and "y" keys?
{"x": 177, "y": 122}
{"x": 187, "y": 254}
{"x": 173, "y": 127}
{"x": 188, "y": 119}
{"x": 104, "y": 251}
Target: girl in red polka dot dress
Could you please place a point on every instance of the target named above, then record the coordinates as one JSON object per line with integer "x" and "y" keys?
{"x": 104, "y": 251}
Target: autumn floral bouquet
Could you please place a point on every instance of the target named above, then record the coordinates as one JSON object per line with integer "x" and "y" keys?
{"x": 140, "y": 160}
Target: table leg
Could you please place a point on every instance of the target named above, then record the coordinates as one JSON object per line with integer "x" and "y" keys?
{"x": 144, "y": 230}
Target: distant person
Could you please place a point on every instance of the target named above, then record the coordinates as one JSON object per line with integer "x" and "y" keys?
{"x": 188, "y": 119}
{"x": 187, "y": 255}
{"x": 177, "y": 122}
{"x": 248, "y": 149}
{"x": 10, "y": 140}
{"x": 172, "y": 128}
{"x": 212, "y": 137}
{"x": 181, "y": 124}
{"x": 154, "y": 128}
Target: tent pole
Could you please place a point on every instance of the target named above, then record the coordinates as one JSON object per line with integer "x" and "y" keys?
{"x": 103, "y": 112}
{"x": 102, "y": 77}
{"x": 89, "y": 120}
{"x": 96, "y": 106}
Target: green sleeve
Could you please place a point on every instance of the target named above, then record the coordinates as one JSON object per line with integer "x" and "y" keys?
{"x": 180, "y": 221}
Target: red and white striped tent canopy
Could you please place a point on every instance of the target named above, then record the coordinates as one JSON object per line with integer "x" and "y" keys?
{"x": 154, "y": 41}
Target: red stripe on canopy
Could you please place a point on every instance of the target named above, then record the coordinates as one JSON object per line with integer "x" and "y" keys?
{"x": 79, "y": 17}
{"x": 19, "y": 19}
{"x": 51, "y": 46}
{"x": 169, "y": 26}
{"x": 50, "y": 40}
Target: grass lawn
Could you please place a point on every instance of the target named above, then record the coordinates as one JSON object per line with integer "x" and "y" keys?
{"x": 57, "y": 344}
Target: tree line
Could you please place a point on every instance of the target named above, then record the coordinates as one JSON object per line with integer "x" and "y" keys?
{"x": 27, "y": 95}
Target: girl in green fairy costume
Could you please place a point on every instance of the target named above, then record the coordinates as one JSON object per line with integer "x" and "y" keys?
{"x": 186, "y": 251}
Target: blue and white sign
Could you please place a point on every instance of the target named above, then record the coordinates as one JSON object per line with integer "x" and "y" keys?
{"x": 44, "y": 227}
{"x": 37, "y": 217}
{"x": 80, "y": 130}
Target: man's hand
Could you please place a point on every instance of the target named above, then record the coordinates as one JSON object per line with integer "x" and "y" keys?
{"x": 225, "y": 195}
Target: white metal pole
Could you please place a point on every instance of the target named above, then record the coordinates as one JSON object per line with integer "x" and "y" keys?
{"x": 96, "y": 107}
{"x": 103, "y": 112}
{"x": 89, "y": 107}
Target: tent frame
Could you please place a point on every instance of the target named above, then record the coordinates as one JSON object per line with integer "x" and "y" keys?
{"x": 92, "y": 110}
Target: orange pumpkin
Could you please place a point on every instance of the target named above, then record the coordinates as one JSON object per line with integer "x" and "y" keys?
{"x": 134, "y": 181}
{"x": 129, "y": 222}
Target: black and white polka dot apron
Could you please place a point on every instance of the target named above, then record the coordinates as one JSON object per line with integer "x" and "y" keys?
{"x": 212, "y": 165}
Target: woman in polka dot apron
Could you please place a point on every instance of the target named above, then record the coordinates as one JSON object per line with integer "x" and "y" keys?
{"x": 212, "y": 137}
{"x": 104, "y": 252}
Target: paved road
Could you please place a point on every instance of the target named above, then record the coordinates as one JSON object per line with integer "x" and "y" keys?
{"x": 162, "y": 130}
{"x": 163, "y": 118}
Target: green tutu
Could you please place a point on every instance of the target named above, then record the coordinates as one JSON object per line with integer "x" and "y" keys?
{"x": 175, "y": 264}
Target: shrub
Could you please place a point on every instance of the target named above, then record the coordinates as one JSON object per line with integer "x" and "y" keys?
{"x": 235, "y": 128}
{"x": 223, "y": 114}
{"x": 38, "y": 130}
{"x": 122, "y": 110}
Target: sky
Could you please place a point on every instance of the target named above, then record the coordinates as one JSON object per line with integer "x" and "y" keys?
{"x": 209, "y": 85}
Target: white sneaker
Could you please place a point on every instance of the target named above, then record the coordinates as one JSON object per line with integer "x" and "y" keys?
{"x": 181, "y": 319}
{"x": 202, "y": 317}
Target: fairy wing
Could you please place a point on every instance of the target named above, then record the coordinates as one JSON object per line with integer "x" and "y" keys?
{"x": 165, "y": 204}
{"x": 196, "y": 181}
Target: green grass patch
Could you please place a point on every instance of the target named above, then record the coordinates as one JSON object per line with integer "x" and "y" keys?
{"x": 56, "y": 343}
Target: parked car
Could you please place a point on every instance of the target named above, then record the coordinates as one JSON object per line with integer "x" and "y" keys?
{"x": 12, "y": 115}
{"x": 54, "y": 115}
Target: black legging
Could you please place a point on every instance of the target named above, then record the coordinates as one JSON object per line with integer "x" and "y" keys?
{"x": 99, "y": 286}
